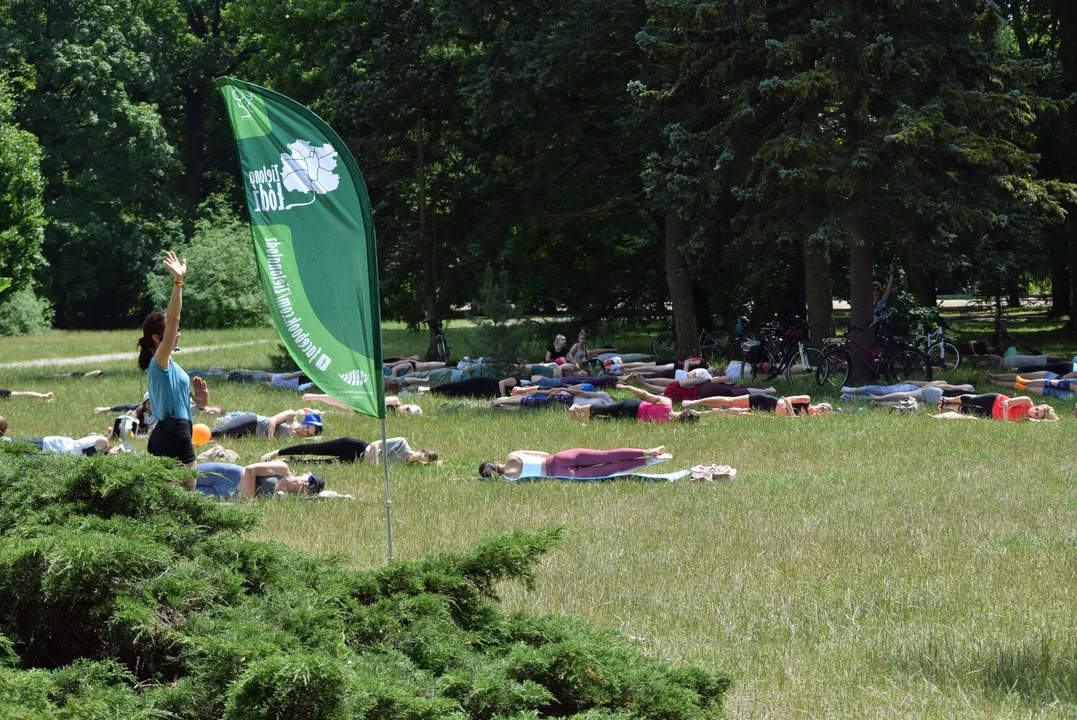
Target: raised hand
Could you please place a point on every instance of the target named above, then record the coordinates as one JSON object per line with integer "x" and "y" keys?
{"x": 177, "y": 266}
{"x": 200, "y": 392}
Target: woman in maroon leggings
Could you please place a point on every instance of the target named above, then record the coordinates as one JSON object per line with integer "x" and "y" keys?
{"x": 576, "y": 463}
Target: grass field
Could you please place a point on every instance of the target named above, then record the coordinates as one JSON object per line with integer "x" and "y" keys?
{"x": 863, "y": 565}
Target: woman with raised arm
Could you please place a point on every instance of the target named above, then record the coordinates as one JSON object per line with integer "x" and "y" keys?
{"x": 576, "y": 463}
{"x": 169, "y": 386}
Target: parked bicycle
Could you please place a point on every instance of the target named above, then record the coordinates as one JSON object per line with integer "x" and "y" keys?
{"x": 441, "y": 345}
{"x": 940, "y": 350}
{"x": 780, "y": 349}
{"x": 713, "y": 345}
{"x": 889, "y": 357}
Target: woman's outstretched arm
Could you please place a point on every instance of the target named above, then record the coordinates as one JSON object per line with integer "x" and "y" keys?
{"x": 178, "y": 267}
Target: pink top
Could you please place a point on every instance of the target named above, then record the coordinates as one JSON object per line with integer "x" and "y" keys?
{"x": 652, "y": 412}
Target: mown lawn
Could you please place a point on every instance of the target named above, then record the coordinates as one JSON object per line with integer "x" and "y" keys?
{"x": 863, "y": 565}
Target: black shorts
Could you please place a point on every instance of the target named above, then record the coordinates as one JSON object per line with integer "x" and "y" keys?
{"x": 171, "y": 437}
{"x": 622, "y": 410}
{"x": 5, "y": 394}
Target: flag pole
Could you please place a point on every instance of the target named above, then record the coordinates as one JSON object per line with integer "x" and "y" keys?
{"x": 388, "y": 501}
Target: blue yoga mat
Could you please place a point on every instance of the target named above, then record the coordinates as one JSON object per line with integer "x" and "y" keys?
{"x": 668, "y": 477}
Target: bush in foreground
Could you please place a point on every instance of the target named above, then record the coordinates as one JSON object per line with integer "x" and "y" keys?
{"x": 125, "y": 596}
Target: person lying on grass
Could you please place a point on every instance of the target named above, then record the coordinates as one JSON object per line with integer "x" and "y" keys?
{"x": 533, "y": 398}
{"x": 928, "y": 395}
{"x": 5, "y": 394}
{"x": 478, "y": 387}
{"x": 670, "y": 371}
{"x": 350, "y": 450}
{"x": 409, "y": 365}
{"x": 144, "y": 417}
{"x": 792, "y": 406}
{"x": 645, "y": 407}
{"x": 282, "y": 425}
{"x": 1050, "y": 373}
{"x": 297, "y": 381}
{"x": 77, "y": 374}
{"x": 92, "y": 444}
{"x": 1040, "y": 385}
{"x": 1029, "y": 362}
{"x": 578, "y": 463}
{"x": 607, "y": 381}
{"x": 996, "y": 407}
{"x": 264, "y": 479}
{"x": 692, "y": 388}
{"x": 392, "y": 404}
{"x": 902, "y": 387}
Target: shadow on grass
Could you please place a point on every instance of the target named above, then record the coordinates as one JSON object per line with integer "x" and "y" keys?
{"x": 1037, "y": 671}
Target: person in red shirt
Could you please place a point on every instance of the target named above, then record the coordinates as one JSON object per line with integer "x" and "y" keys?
{"x": 645, "y": 407}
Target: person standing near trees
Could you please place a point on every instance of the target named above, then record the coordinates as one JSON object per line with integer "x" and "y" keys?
{"x": 169, "y": 385}
{"x": 879, "y": 296}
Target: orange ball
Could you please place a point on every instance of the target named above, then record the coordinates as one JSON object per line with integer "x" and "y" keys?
{"x": 200, "y": 434}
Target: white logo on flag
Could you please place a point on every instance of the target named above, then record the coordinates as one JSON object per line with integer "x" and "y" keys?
{"x": 355, "y": 377}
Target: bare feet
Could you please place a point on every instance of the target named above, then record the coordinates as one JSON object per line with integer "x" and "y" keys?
{"x": 654, "y": 452}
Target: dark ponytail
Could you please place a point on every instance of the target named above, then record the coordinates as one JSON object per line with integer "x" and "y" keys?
{"x": 154, "y": 324}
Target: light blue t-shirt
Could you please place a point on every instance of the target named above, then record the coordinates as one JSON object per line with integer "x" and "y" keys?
{"x": 170, "y": 391}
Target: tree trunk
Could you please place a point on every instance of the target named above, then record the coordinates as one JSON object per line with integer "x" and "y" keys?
{"x": 1060, "y": 275}
{"x": 861, "y": 260}
{"x": 1071, "y": 324}
{"x": 685, "y": 321}
{"x": 429, "y": 286}
{"x": 819, "y": 295}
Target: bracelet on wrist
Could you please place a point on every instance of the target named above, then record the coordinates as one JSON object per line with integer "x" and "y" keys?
{"x": 177, "y": 283}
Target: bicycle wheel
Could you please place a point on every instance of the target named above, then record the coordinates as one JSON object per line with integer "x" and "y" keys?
{"x": 908, "y": 363}
{"x": 808, "y": 358}
{"x": 442, "y": 348}
{"x": 945, "y": 356}
{"x": 835, "y": 368}
{"x": 715, "y": 345}
{"x": 665, "y": 346}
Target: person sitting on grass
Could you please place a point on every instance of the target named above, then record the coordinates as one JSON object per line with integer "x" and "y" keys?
{"x": 281, "y": 425}
{"x": 350, "y": 450}
{"x": 645, "y": 407}
{"x": 579, "y": 353}
{"x": 997, "y": 407}
{"x": 5, "y": 394}
{"x": 576, "y": 463}
{"x": 792, "y": 406}
{"x": 264, "y": 479}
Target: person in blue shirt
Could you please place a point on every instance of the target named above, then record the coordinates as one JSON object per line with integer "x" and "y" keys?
{"x": 169, "y": 385}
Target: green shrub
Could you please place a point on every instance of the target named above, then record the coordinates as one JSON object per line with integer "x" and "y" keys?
{"x": 126, "y": 596}
{"x": 22, "y": 312}
{"x": 222, "y": 288}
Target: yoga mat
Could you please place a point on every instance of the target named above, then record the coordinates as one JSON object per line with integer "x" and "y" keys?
{"x": 634, "y": 475}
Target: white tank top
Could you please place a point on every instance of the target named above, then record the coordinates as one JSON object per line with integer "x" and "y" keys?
{"x": 532, "y": 467}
